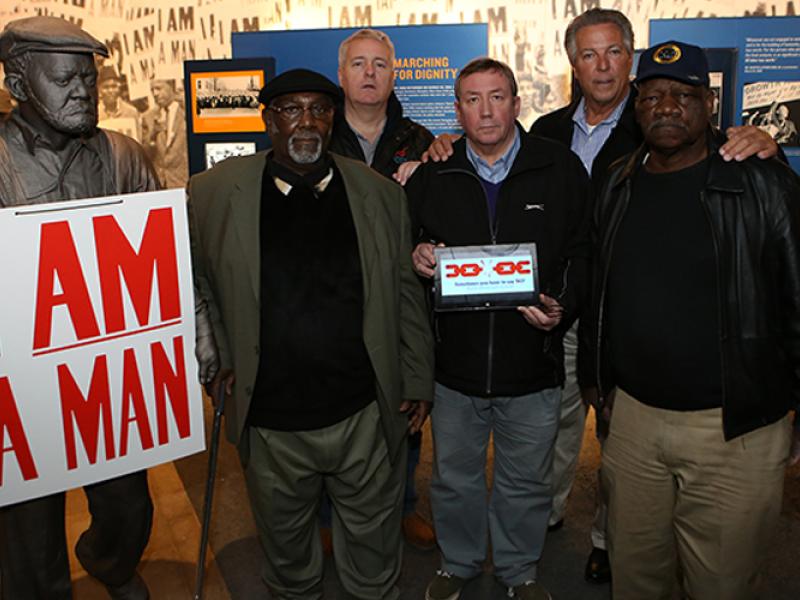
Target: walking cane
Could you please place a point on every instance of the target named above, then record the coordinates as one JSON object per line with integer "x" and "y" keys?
{"x": 219, "y": 396}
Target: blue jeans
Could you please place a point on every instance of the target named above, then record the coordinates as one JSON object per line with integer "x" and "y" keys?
{"x": 410, "y": 496}
{"x": 524, "y": 430}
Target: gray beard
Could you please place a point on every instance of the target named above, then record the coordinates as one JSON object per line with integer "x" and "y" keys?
{"x": 305, "y": 157}
{"x": 70, "y": 123}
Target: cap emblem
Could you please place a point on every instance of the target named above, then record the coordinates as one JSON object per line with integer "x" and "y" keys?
{"x": 667, "y": 54}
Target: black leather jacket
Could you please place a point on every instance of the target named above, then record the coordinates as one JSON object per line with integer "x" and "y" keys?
{"x": 753, "y": 208}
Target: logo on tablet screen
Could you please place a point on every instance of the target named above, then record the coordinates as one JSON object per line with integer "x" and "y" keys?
{"x": 522, "y": 267}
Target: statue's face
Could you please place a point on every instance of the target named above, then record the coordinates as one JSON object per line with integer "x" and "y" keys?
{"x": 62, "y": 87}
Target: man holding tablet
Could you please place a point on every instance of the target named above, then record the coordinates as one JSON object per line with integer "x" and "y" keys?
{"x": 498, "y": 371}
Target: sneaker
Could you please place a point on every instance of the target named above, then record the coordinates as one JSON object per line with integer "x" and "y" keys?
{"x": 445, "y": 586}
{"x": 418, "y": 532}
{"x": 530, "y": 590}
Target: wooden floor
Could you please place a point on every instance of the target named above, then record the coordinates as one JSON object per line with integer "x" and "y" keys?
{"x": 234, "y": 555}
{"x": 168, "y": 565}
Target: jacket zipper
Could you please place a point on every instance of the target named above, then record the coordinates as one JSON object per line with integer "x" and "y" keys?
{"x": 493, "y": 237}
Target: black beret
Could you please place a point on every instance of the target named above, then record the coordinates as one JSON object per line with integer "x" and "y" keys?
{"x": 298, "y": 80}
{"x": 46, "y": 34}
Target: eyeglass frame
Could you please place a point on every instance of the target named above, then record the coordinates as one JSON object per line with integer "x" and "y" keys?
{"x": 281, "y": 111}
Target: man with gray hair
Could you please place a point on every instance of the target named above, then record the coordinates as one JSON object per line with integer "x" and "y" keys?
{"x": 369, "y": 126}
{"x": 51, "y": 150}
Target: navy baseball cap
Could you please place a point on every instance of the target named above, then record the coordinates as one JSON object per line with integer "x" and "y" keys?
{"x": 674, "y": 60}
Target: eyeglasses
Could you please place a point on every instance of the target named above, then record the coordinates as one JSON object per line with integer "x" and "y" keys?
{"x": 294, "y": 112}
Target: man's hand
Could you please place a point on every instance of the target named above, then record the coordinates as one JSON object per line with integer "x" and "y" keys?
{"x": 405, "y": 171}
{"x": 205, "y": 349}
{"x": 603, "y": 416}
{"x": 441, "y": 148}
{"x": 416, "y": 411}
{"x": 224, "y": 376}
{"x": 590, "y": 397}
{"x": 794, "y": 453}
{"x": 546, "y": 317}
{"x": 424, "y": 259}
{"x": 745, "y": 141}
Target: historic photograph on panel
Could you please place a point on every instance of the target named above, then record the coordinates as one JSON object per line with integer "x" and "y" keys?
{"x": 218, "y": 151}
{"x": 226, "y": 101}
{"x": 773, "y": 106}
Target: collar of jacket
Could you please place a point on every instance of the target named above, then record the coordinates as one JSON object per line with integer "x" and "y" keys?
{"x": 394, "y": 113}
{"x": 627, "y": 120}
{"x": 722, "y": 176}
{"x": 530, "y": 156}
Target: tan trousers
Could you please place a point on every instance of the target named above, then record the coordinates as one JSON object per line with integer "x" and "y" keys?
{"x": 680, "y": 495}
{"x": 285, "y": 473}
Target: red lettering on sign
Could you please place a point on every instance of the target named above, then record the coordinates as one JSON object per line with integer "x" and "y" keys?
{"x": 11, "y": 423}
{"x": 172, "y": 383}
{"x": 86, "y": 412}
{"x": 116, "y": 256}
{"x": 58, "y": 258}
{"x": 133, "y": 397}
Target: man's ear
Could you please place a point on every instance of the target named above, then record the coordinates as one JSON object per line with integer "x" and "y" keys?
{"x": 15, "y": 85}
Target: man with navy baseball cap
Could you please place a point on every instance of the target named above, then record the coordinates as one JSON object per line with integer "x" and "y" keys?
{"x": 698, "y": 295}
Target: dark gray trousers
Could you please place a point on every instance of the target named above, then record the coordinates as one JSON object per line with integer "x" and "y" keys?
{"x": 34, "y": 563}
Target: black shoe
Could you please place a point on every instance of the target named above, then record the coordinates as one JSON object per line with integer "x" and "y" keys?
{"x": 598, "y": 569}
{"x": 133, "y": 589}
{"x": 555, "y": 526}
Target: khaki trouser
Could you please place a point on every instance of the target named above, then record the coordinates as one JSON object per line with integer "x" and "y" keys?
{"x": 680, "y": 494}
{"x": 285, "y": 473}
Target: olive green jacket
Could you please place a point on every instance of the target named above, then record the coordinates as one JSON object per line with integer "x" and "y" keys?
{"x": 224, "y": 220}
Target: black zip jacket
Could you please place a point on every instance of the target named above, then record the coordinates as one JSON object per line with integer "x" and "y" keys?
{"x": 753, "y": 209}
{"x": 544, "y": 199}
{"x": 402, "y": 139}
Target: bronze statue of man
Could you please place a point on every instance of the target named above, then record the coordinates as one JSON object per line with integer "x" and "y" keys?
{"x": 52, "y": 150}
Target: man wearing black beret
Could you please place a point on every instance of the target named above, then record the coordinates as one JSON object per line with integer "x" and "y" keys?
{"x": 305, "y": 259}
{"x": 52, "y": 150}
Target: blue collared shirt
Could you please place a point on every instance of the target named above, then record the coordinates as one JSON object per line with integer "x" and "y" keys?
{"x": 586, "y": 139}
{"x": 499, "y": 170}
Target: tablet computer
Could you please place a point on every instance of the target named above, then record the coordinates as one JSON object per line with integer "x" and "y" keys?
{"x": 486, "y": 277}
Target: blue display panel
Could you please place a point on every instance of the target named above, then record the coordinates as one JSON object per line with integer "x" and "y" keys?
{"x": 767, "y": 90}
{"x": 427, "y": 61}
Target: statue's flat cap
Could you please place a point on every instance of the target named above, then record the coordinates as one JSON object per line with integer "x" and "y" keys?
{"x": 47, "y": 34}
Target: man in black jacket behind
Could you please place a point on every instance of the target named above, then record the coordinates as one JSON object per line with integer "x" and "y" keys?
{"x": 370, "y": 127}
{"x": 696, "y": 316}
